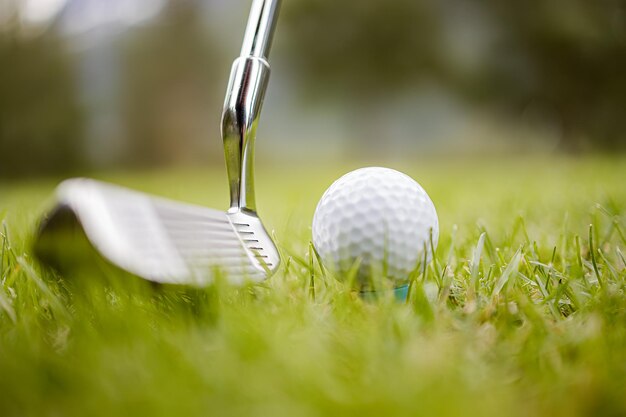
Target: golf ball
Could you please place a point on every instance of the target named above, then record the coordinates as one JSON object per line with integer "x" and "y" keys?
{"x": 379, "y": 219}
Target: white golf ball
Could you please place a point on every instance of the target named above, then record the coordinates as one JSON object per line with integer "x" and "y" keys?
{"x": 378, "y": 217}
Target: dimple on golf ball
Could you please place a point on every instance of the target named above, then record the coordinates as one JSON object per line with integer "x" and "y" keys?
{"x": 379, "y": 219}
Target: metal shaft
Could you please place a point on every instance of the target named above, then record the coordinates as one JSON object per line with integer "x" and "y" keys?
{"x": 244, "y": 98}
{"x": 257, "y": 40}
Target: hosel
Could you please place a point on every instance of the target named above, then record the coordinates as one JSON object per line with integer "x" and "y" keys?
{"x": 244, "y": 99}
{"x": 242, "y": 108}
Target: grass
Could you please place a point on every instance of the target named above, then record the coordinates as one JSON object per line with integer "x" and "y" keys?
{"x": 522, "y": 312}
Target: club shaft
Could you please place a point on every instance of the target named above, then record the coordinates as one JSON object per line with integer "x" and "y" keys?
{"x": 259, "y": 33}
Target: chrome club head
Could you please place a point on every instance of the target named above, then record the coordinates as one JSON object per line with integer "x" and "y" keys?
{"x": 171, "y": 242}
{"x": 158, "y": 239}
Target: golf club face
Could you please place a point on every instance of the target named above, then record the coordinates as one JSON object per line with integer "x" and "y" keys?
{"x": 158, "y": 239}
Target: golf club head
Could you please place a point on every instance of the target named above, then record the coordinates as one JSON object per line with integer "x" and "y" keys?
{"x": 175, "y": 243}
{"x": 157, "y": 239}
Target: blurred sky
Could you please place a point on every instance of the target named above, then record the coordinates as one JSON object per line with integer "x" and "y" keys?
{"x": 92, "y": 13}
{"x": 41, "y": 10}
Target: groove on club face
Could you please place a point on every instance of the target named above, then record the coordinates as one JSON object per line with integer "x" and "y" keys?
{"x": 165, "y": 241}
{"x": 255, "y": 239}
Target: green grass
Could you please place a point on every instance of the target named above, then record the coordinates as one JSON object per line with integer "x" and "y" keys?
{"x": 522, "y": 312}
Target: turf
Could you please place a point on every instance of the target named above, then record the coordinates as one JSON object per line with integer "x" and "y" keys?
{"x": 522, "y": 311}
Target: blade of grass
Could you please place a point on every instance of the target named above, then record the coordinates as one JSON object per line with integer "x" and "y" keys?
{"x": 474, "y": 267}
{"x": 312, "y": 273}
{"x": 508, "y": 272}
{"x": 593, "y": 256}
{"x": 5, "y": 303}
{"x": 50, "y": 295}
{"x": 621, "y": 255}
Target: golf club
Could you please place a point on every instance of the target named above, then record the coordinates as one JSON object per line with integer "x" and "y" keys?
{"x": 171, "y": 242}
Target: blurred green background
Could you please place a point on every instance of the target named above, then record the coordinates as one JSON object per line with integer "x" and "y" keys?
{"x": 107, "y": 84}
